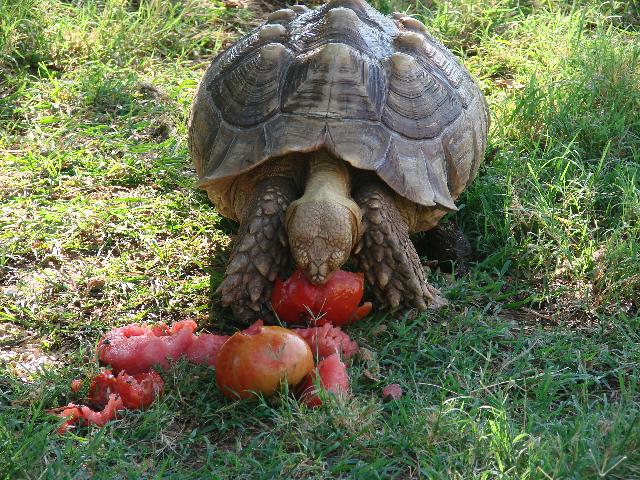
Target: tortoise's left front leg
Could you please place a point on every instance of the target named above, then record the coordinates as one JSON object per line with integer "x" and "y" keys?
{"x": 386, "y": 255}
{"x": 261, "y": 252}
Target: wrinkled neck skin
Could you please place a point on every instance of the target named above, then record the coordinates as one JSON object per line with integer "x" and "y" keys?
{"x": 325, "y": 223}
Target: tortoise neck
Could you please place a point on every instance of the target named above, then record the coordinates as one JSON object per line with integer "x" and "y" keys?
{"x": 327, "y": 178}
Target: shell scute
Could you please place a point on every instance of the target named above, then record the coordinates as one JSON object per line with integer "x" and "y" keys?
{"x": 340, "y": 26}
{"x": 336, "y": 81}
{"x": 285, "y": 134}
{"x": 248, "y": 93}
{"x": 405, "y": 169}
{"x": 459, "y": 151}
{"x": 234, "y": 149}
{"x": 363, "y": 144}
{"x": 272, "y": 32}
{"x": 418, "y": 105}
{"x": 284, "y": 15}
{"x": 366, "y": 13}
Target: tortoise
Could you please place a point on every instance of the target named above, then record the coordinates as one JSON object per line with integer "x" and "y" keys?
{"x": 329, "y": 133}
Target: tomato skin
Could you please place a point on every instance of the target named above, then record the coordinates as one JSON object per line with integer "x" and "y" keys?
{"x": 298, "y": 301}
{"x": 102, "y": 385}
{"x": 290, "y": 299}
{"x": 73, "y": 413}
{"x": 259, "y": 361}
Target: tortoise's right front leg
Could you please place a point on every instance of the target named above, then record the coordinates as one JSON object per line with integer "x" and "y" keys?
{"x": 260, "y": 253}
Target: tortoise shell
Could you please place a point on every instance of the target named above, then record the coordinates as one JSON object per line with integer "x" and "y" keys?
{"x": 380, "y": 93}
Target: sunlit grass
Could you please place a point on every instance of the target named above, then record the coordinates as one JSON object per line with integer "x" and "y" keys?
{"x": 532, "y": 372}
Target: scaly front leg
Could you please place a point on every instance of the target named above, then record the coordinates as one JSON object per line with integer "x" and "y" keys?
{"x": 386, "y": 255}
{"x": 261, "y": 252}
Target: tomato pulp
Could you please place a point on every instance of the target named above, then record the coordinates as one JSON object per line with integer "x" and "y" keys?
{"x": 333, "y": 378}
{"x": 137, "y": 391}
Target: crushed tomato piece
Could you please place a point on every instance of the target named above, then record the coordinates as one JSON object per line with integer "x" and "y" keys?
{"x": 204, "y": 348}
{"x": 333, "y": 378}
{"x": 254, "y": 329}
{"x": 137, "y": 348}
{"x": 112, "y": 393}
{"x": 138, "y": 391}
{"x": 392, "y": 392}
{"x": 76, "y": 385}
{"x": 327, "y": 340}
{"x": 298, "y": 301}
{"x": 82, "y": 414}
{"x": 102, "y": 385}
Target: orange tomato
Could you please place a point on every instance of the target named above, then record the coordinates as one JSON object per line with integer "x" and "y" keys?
{"x": 260, "y": 359}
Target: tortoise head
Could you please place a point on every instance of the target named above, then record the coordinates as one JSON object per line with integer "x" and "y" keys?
{"x": 321, "y": 237}
{"x": 324, "y": 224}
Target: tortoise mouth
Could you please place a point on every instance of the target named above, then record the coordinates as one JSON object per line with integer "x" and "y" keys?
{"x": 318, "y": 274}
{"x": 317, "y": 257}
{"x": 317, "y": 279}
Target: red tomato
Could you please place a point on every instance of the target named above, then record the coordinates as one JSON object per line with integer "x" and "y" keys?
{"x": 260, "y": 359}
{"x": 333, "y": 378}
{"x": 136, "y": 391}
{"x": 336, "y": 301}
{"x": 140, "y": 390}
{"x": 293, "y": 298}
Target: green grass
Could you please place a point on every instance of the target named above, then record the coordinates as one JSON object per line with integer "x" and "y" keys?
{"x": 531, "y": 373}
